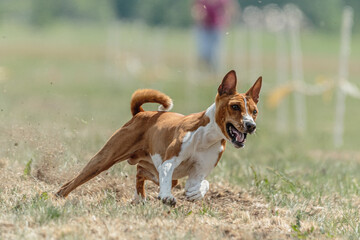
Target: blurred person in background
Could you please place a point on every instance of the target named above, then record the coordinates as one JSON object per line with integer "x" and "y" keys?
{"x": 211, "y": 19}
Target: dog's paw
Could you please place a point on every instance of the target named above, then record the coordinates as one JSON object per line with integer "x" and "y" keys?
{"x": 59, "y": 194}
{"x": 138, "y": 199}
{"x": 168, "y": 199}
{"x": 198, "y": 191}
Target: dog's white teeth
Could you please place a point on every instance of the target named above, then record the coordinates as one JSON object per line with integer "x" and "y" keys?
{"x": 231, "y": 131}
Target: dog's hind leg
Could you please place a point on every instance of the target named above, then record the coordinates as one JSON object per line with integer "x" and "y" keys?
{"x": 142, "y": 175}
{"x": 96, "y": 165}
{"x": 118, "y": 148}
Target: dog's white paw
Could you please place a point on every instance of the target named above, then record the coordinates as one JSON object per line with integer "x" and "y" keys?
{"x": 197, "y": 191}
{"x": 167, "y": 199}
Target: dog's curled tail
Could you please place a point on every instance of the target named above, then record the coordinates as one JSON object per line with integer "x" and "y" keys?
{"x": 149, "y": 96}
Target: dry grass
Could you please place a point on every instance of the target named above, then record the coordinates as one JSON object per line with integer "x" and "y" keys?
{"x": 101, "y": 209}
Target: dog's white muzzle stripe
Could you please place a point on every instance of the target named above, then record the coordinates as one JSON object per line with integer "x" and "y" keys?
{"x": 247, "y": 118}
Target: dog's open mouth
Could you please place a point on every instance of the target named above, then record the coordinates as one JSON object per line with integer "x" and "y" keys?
{"x": 237, "y": 138}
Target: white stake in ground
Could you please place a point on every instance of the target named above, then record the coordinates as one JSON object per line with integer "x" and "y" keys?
{"x": 113, "y": 50}
{"x": 294, "y": 17}
{"x": 192, "y": 74}
{"x": 240, "y": 52}
{"x": 253, "y": 17}
{"x": 347, "y": 22}
{"x": 276, "y": 22}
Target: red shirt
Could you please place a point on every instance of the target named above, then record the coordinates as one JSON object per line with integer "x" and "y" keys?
{"x": 212, "y": 12}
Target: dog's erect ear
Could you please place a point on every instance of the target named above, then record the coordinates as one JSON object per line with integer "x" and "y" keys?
{"x": 228, "y": 85}
{"x": 254, "y": 91}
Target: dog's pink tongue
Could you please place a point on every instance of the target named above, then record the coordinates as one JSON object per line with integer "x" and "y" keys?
{"x": 239, "y": 137}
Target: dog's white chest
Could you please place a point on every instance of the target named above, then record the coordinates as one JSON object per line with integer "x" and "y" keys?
{"x": 199, "y": 161}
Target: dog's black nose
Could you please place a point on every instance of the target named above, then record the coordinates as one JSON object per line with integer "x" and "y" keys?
{"x": 250, "y": 127}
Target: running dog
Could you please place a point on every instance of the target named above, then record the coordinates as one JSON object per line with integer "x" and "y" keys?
{"x": 167, "y": 146}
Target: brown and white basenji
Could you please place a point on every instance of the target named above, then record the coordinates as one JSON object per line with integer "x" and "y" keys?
{"x": 168, "y": 146}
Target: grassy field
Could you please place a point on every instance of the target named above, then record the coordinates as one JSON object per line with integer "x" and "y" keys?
{"x": 65, "y": 90}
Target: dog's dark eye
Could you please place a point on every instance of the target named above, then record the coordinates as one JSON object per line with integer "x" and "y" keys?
{"x": 236, "y": 107}
{"x": 254, "y": 112}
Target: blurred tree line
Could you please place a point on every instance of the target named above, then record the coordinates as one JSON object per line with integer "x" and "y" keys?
{"x": 322, "y": 14}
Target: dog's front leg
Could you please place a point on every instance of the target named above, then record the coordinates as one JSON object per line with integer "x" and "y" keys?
{"x": 196, "y": 187}
{"x": 166, "y": 170}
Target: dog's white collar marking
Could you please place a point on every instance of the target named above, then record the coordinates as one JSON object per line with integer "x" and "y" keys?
{"x": 213, "y": 130}
{"x": 205, "y": 136}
